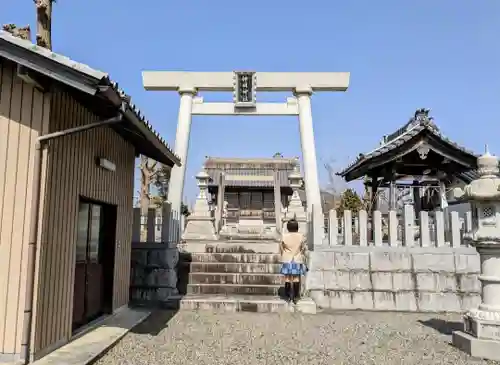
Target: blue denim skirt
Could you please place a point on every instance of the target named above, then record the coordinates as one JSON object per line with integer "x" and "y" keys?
{"x": 293, "y": 268}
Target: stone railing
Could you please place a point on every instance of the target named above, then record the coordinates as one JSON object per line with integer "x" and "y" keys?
{"x": 429, "y": 229}
{"x": 395, "y": 262}
{"x": 159, "y": 225}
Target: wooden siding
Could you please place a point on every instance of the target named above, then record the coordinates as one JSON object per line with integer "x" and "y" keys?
{"x": 71, "y": 173}
{"x": 24, "y": 112}
{"x": 68, "y": 172}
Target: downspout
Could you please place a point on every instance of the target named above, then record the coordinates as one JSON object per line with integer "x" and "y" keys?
{"x": 40, "y": 144}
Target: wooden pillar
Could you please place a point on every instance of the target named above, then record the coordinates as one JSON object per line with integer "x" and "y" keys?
{"x": 443, "y": 203}
{"x": 393, "y": 199}
{"x": 277, "y": 200}
{"x": 374, "y": 197}
{"x": 166, "y": 217}
{"x": 392, "y": 196}
{"x": 220, "y": 202}
{"x": 417, "y": 201}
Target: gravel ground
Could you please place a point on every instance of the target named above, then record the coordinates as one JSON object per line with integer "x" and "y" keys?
{"x": 351, "y": 338}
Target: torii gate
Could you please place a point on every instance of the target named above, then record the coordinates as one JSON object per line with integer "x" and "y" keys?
{"x": 244, "y": 86}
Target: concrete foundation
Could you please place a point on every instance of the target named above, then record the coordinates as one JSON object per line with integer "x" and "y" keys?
{"x": 475, "y": 347}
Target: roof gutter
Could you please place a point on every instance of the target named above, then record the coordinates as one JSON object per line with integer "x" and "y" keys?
{"x": 41, "y": 143}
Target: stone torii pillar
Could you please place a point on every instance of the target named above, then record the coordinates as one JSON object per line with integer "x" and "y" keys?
{"x": 244, "y": 86}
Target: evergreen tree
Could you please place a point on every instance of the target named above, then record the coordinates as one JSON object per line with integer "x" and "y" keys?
{"x": 350, "y": 200}
{"x": 185, "y": 210}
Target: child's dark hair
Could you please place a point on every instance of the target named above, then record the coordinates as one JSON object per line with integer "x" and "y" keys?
{"x": 292, "y": 226}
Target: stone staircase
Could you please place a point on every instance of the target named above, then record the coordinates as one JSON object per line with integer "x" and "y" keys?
{"x": 234, "y": 276}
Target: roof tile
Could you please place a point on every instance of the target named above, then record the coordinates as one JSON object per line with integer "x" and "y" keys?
{"x": 421, "y": 121}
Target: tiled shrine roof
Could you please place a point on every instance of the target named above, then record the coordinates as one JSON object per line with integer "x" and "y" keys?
{"x": 418, "y": 125}
{"x": 250, "y": 172}
{"x": 82, "y": 77}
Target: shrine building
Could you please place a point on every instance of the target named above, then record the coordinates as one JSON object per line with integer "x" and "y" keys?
{"x": 255, "y": 190}
{"x": 417, "y": 165}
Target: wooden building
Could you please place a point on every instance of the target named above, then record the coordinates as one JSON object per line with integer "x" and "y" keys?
{"x": 416, "y": 162}
{"x": 68, "y": 142}
{"x": 249, "y": 185}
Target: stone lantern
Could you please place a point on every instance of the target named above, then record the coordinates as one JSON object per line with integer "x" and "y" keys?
{"x": 481, "y": 335}
{"x": 295, "y": 207}
{"x": 295, "y": 179}
{"x": 200, "y": 223}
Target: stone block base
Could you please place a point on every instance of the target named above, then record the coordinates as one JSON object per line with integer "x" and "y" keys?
{"x": 484, "y": 349}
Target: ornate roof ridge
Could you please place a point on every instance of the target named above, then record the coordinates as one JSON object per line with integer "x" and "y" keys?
{"x": 250, "y": 160}
{"x": 420, "y": 121}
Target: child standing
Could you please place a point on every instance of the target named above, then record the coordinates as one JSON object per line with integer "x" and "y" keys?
{"x": 293, "y": 257}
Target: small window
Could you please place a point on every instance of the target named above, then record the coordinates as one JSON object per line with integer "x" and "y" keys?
{"x": 83, "y": 233}
{"x": 95, "y": 232}
{"x": 90, "y": 219}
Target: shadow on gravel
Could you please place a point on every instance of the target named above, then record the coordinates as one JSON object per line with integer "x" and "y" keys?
{"x": 150, "y": 286}
{"x": 155, "y": 323}
{"x": 442, "y": 326}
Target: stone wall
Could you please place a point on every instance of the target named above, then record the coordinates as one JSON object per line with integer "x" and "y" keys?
{"x": 424, "y": 279}
{"x": 154, "y": 273}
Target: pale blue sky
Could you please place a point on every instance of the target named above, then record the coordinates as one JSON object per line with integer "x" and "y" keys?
{"x": 402, "y": 55}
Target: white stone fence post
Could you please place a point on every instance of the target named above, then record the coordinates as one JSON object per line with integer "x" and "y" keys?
{"x": 159, "y": 226}
{"x": 393, "y": 229}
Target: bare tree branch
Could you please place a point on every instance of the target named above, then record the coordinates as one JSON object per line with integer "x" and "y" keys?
{"x": 332, "y": 192}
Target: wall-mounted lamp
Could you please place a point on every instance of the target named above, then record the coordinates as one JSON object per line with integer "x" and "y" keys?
{"x": 105, "y": 164}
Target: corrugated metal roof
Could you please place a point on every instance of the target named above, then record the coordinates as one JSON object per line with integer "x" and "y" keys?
{"x": 419, "y": 123}
{"x": 99, "y": 76}
{"x": 56, "y": 57}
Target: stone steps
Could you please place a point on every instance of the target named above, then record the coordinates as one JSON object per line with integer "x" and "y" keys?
{"x": 259, "y": 247}
{"x": 221, "y": 267}
{"x": 243, "y": 303}
{"x": 231, "y": 257}
{"x": 236, "y": 278}
{"x": 231, "y": 289}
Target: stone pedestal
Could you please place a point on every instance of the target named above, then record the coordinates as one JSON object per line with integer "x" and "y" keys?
{"x": 200, "y": 224}
{"x": 249, "y": 229}
{"x": 481, "y": 334}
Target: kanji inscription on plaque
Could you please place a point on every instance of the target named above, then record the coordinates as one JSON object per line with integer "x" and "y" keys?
{"x": 245, "y": 89}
